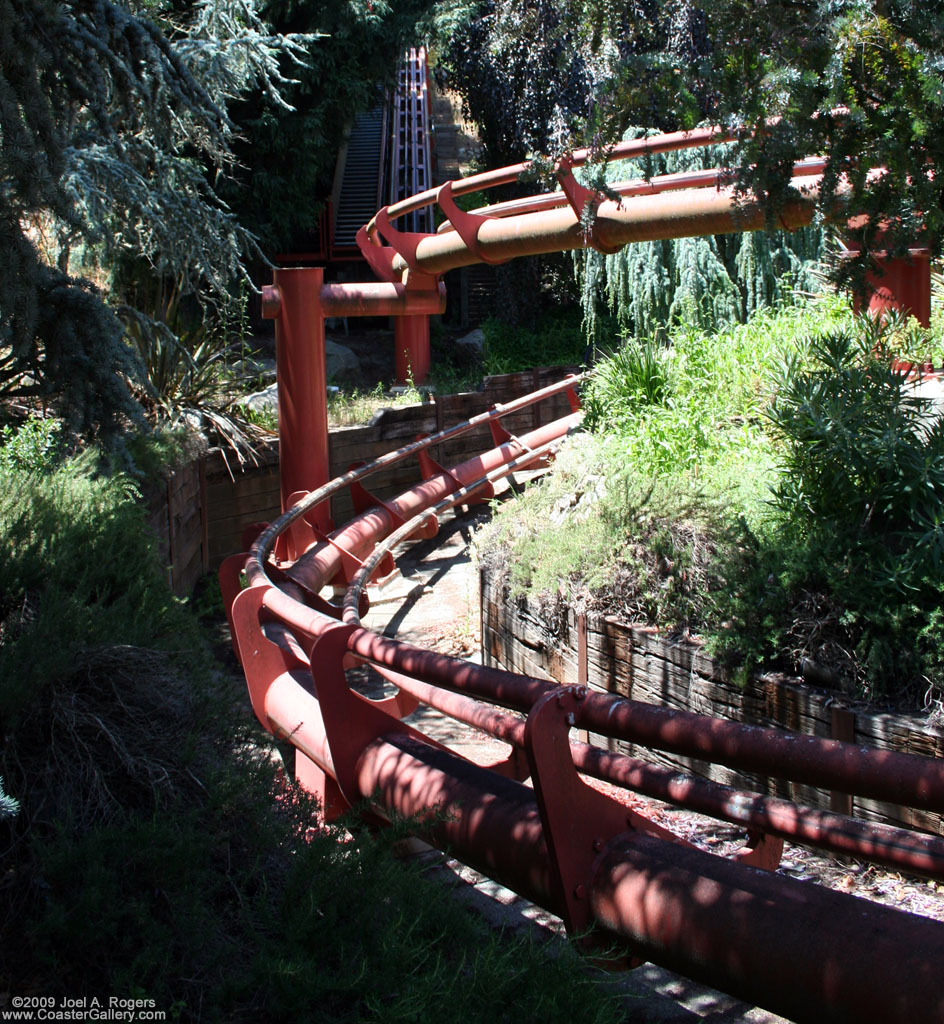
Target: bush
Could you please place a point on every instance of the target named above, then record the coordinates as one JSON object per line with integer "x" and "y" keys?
{"x": 34, "y": 445}
{"x": 809, "y": 529}
{"x": 859, "y": 502}
{"x": 157, "y": 852}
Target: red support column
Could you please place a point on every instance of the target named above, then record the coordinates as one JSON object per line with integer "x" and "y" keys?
{"x": 295, "y": 305}
{"x": 411, "y": 339}
{"x": 903, "y": 284}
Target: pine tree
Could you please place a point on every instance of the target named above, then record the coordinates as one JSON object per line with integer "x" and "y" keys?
{"x": 109, "y": 130}
{"x": 9, "y": 808}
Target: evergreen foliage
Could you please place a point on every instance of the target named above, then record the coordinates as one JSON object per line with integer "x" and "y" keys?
{"x": 710, "y": 281}
{"x": 860, "y": 82}
{"x": 859, "y": 497}
{"x": 9, "y": 806}
{"x": 109, "y": 128}
{"x": 158, "y": 853}
{"x": 533, "y": 74}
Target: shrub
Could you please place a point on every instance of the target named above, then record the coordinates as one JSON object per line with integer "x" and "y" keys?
{"x": 806, "y": 529}
{"x": 35, "y": 445}
{"x": 149, "y": 859}
{"x": 859, "y": 503}
{"x": 636, "y": 375}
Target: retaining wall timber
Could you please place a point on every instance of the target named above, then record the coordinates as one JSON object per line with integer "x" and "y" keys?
{"x": 175, "y": 506}
{"x": 543, "y": 638}
{"x": 209, "y": 516}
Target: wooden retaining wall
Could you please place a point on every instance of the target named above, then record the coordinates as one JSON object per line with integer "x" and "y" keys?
{"x": 211, "y": 503}
{"x": 546, "y": 639}
{"x": 175, "y": 512}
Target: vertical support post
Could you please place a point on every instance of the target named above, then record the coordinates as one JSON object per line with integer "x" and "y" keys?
{"x": 843, "y": 728}
{"x": 411, "y": 338}
{"x": 304, "y": 463}
{"x": 900, "y": 283}
{"x": 903, "y": 284}
{"x": 583, "y": 667}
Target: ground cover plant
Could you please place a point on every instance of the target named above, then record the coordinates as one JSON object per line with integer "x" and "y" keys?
{"x": 772, "y": 489}
{"x": 149, "y": 846}
{"x": 557, "y": 339}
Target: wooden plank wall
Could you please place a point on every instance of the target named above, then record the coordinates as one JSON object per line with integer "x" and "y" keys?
{"x": 210, "y": 515}
{"x": 175, "y": 512}
{"x": 540, "y": 638}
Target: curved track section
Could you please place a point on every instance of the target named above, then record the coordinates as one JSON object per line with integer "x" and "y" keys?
{"x": 532, "y": 821}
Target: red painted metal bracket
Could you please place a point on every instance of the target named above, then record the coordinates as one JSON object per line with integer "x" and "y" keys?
{"x": 573, "y": 399}
{"x": 499, "y": 435}
{"x": 351, "y": 565}
{"x": 583, "y": 201}
{"x": 761, "y": 850}
{"x": 362, "y": 499}
{"x": 379, "y": 257}
{"x": 578, "y": 196}
{"x": 302, "y": 534}
{"x": 502, "y": 436}
{"x": 429, "y": 468}
{"x": 262, "y": 659}
{"x": 579, "y": 821}
{"x": 315, "y": 780}
{"x": 514, "y": 766}
{"x": 403, "y": 242}
{"x": 352, "y": 722}
{"x": 467, "y": 225}
{"x": 263, "y": 662}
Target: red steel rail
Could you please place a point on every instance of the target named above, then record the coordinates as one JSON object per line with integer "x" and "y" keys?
{"x": 795, "y": 948}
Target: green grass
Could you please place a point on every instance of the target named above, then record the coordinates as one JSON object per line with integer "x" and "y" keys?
{"x": 557, "y": 340}
{"x": 348, "y": 408}
{"x": 156, "y": 852}
{"x": 768, "y": 488}
{"x": 707, "y": 422}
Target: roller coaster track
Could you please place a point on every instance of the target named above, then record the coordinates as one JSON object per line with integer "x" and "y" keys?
{"x": 608, "y": 872}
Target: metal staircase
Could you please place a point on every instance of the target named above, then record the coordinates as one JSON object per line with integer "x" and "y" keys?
{"x": 387, "y": 157}
{"x": 360, "y": 189}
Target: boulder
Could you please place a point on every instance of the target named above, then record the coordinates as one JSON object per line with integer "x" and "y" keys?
{"x": 474, "y": 340}
{"x": 266, "y": 400}
{"x": 340, "y": 361}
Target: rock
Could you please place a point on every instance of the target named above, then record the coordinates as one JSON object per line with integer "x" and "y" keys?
{"x": 259, "y": 368}
{"x": 266, "y": 400}
{"x": 473, "y": 340}
{"x": 340, "y": 361}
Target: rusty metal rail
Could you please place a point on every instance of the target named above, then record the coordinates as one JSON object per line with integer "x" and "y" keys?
{"x": 808, "y": 953}
{"x": 558, "y": 841}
